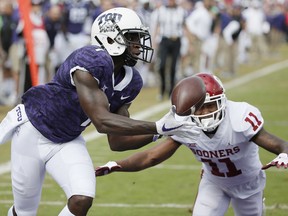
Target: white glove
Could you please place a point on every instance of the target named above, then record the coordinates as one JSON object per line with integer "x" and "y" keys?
{"x": 109, "y": 167}
{"x": 168, "y": 126}
{"x": 280, "y": 161}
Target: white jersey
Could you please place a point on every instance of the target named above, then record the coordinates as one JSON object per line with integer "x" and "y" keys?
{"x": 230, "y": 158}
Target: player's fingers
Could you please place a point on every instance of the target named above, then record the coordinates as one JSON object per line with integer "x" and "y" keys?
{"x": 279, "y": 164}
{"x": 192, "y": 131}
{"x": 115, "y": 168}
{"x": 267, "y": 166}
{"x": 100, "y": 171}
{"x": 173, "y": 109}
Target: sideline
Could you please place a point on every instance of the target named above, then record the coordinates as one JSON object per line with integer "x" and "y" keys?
{"x": 5, "y": 167}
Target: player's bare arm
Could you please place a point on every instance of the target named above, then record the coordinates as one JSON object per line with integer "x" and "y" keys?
{"x": 141, "y": 160}
{"x": 123, "y": 143}
{"x": 275, "y": 145}
{"x": 95, "y": 104}
{"x": 150, "y": 157}
{"x": 270, "y": 142}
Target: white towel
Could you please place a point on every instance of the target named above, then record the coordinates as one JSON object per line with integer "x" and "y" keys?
{"x": 13, "y": 119}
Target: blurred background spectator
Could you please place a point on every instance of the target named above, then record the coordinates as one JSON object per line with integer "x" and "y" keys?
{"x": 169, "y": 25}
{"x": 199, "y": 24}
{"x": 10, "y": 53}
{"x": 145, "y": 9}
{"x": 233, "y": 25}
{"x": 276, "y": 15}
{"x": 75, "y": 29}
{"x": 41, "y": 44}
{"x": 52, "y": 23}
{"x": 257, "y": 27}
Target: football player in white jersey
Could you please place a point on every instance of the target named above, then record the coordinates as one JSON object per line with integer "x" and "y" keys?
{"x": 227, "y": 147}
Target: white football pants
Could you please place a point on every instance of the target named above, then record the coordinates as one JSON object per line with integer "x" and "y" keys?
{"x": 32, "y": 155}
{"x": 212, "y": 200}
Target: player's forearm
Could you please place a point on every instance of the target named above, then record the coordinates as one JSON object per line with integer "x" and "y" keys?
{"x": 271, "y": 142}
{"x": 277, "y": 145}
{"x": 284, "y": 148}
{"x": 123, "y": 143}
{"x": 137, "y": 162}
{"x": 119, "y": 125}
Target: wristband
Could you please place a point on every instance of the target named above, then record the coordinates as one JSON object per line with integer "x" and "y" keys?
{"x": 156, "y": 137}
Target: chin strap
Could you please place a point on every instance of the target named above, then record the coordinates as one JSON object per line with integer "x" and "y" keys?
{"x": 129, "y": 60}
{"x": 99, "y": 42}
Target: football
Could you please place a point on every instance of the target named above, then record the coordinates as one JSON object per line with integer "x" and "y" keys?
{"x": 188, "y": 95}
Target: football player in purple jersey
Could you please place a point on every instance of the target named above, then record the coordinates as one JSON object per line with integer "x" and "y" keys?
{"x": 227, "y": 147}
{"x": 74, "y": 31}
{"x": 95, "y": 84}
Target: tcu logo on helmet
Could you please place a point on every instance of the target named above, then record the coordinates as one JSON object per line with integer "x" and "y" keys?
{"x": 105, "y": 24}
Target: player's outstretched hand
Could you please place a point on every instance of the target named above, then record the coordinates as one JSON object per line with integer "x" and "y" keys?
{"x": 168, "y": 125}
{"x": 109, "y": 167}
{"x": 280, "y": 161}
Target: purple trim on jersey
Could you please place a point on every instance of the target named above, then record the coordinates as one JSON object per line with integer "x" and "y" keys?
{"x": 128, "y": 93}
{"x": 54, "y": 108}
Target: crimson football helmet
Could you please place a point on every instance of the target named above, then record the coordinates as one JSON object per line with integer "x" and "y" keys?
{"x": 118, "y": 28}
{"x": 215, "y": 92}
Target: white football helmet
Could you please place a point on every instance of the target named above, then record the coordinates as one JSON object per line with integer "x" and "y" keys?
{"x": 113, "y": 30}
{"x": 215, "y": 92}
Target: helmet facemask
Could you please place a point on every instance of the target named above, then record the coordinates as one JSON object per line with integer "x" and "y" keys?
{"x": 138, "y": 38}
{"x": 209, "y": 122}
{"x": 216, "y": 98}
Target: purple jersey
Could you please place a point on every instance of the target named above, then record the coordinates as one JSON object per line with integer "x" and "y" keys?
{"x": 77, "y": 13}
{"x": 54, "y": 108}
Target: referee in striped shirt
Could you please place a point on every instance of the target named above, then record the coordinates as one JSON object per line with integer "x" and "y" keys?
{"x": 169, "y": 27}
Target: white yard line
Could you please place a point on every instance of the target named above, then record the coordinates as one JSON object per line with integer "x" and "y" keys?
{"x": 126, "y": 205}
{"x": 5, "y": 167}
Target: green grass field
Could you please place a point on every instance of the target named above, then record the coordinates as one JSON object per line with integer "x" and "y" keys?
{"x": 170, "y": 189}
